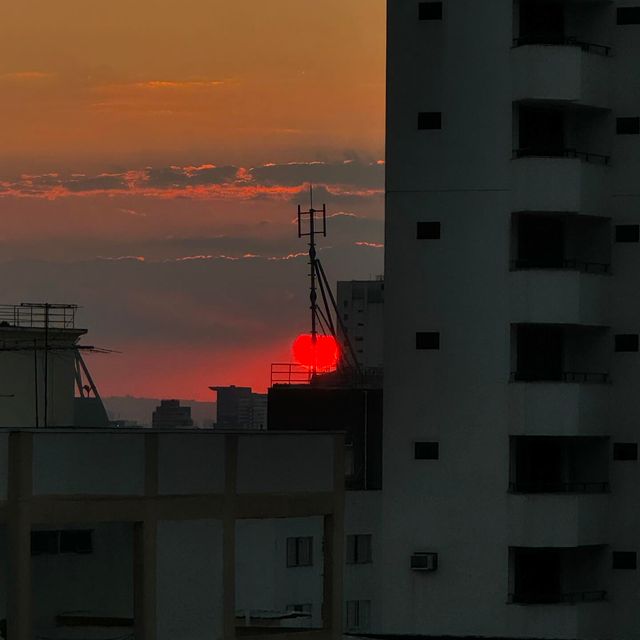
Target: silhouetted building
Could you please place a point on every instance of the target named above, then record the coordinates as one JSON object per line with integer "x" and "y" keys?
{"x": 511, "y": 320}
{"x": 170, "y": 415}
{"x": 360, "y": 305}
{"x": 240, "y": 408}
{"x": 356, "y": 411}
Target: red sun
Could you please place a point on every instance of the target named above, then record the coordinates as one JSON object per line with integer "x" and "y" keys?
{"x": 323, "y": 355}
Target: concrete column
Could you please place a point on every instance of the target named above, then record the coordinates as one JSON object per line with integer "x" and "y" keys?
{"x": 332, "y": 605}
{"x": 144, "y": 578}
{"x": 145, "y": 552}
{"x": 20, "y": 490}
{"x": 229, "y": 538}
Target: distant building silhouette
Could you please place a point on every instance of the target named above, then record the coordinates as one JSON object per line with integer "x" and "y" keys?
{"x": 170, "y": 415}
{"x": 240, "y": 408}
{"x": 361, "y": 306}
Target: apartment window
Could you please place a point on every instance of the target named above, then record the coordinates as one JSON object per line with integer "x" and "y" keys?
{"x": 625, "y": 451}
{"x": 55, "y": 542}
{"x": 424, "y": 561}
{"x": 300, "y": 552}
{"x": 346, "y": 316}
{"x": 624, "y": 560}
{"x": 305, "y": 608}
{"x": 430, "y": 11}
{"x": 628, "y": 15}
{"x": 628, "y": 126}
{"x": 426, "y": 450}
{"x": 626, "y": 342}
{"x": 358, "y": 615}
{"x": 428, "y": 231}
{"x": 427, "y": 340}
{"x": 359, "y": 549}
{"x": 359, "y": 339}
{"x": 76, "y": 542}
{"x": 627, "y": 233}
{"x": 349, "y": 461}
{"x": 430, "y": 120}
{"x": 44, "y": 542}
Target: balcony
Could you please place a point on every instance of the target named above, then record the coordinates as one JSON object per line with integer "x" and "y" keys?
{"x": 557, "y": 575}
{"x": 558, "y": 408}
{"x": 558, "y": 184}
{"x": 561, "y": 71}
{"x": 572, "y": 294}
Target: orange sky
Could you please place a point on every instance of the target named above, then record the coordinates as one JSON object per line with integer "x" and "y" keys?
{"x": 174, "y": 80}
{"x": 152, "y": 154}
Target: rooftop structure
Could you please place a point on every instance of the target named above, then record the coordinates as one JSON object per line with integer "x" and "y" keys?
{"x": 119, "y": 533}
{"x": 170, "y": 415}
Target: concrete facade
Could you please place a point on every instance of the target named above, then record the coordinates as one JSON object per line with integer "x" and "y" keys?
{"x": 490, "y": 340}
{"x": 167, "y": 512}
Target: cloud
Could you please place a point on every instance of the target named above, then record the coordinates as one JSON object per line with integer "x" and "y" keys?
{"x": 333, "y": 181}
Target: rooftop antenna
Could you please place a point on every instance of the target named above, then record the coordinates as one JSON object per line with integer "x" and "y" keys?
{"x": 312, "y": 223}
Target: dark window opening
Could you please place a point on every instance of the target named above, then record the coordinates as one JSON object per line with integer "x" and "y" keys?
{"x": 624, "y": 560}
{"x": 628, "y": 126}
{"x": 626, "y": 342}
{"x": 44, "y": 542}
{"x": 539, "y": 353}
{"x": 428, "y": 231}
{"x": 541, "y": 132}
{"x": 625, "y": 451}
{"x": 427, "y": 340}
{"x": 541, "y": 242}
{"x": 359, "y": 549}
{"x": 628, "y": 15}
{"x": 430, "y": 120}
{"x": 426, "y": 450}
{"x": 76, "y": 542}
{"x": 627, "y": 233}
{"x": 430, "y": 11}
{"x": 300, "y": 552}
{"x": 537, "y": 576}
{"x": 542, "y": 464}
{"x": 541, "y": 22}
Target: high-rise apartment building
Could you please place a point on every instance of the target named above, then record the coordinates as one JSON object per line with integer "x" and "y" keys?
{"x": 512, "y": 320}
{"x": 360, "y": 305}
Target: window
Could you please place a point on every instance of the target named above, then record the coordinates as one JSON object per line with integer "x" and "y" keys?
{"x": 628, "y": 15}
{"x": 627, "y": 233}
{"x": 76, "y": 541}
{"x": 426, "y": 450}
{"x": 424, "y": 561}
{"x": 55, "y": 542}
{"x": 624, "y": 560}
{"x": 428, "y": 231}
{"x": 625, "y": 450}
{"x": 349, "y": 461}
{"x": 358, "y": 615}
{"x": 359, "y": 549}
{"x": 44, "y": 542}
{"x": 628, "y": 126}
{"x": 305, "y": 608}
{"x": 300, "y": 552}
{"x": 626, "y": 342}
{"x": 430, "y": 120}
{"x": 427, "y": 340}
{"x": 430, "y": 11}
{"x": 359, "y": 339}
{"x": 346, "y": 316}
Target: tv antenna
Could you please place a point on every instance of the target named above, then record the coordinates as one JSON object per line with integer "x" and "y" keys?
{"x": 312, "y": 223}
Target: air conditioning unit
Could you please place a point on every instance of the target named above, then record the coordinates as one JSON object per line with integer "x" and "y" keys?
{"x": 424, "y": 561}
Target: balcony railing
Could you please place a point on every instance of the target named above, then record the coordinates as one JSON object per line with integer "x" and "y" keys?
{"x": 561, "y": 152}
{"x": 564, "y": 264}
{"x": 558, "y": 487}
{"x": 557, "y": 598}
{"x": 38, "y": 315}
{"x": 565, "y": 376}
{"x": 588, "y": 47}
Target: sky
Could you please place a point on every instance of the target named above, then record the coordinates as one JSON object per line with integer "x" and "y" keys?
{"x": 152, "y": 156}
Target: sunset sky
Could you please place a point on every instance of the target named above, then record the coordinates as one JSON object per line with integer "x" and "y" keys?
{"x": 152, "y": 154}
